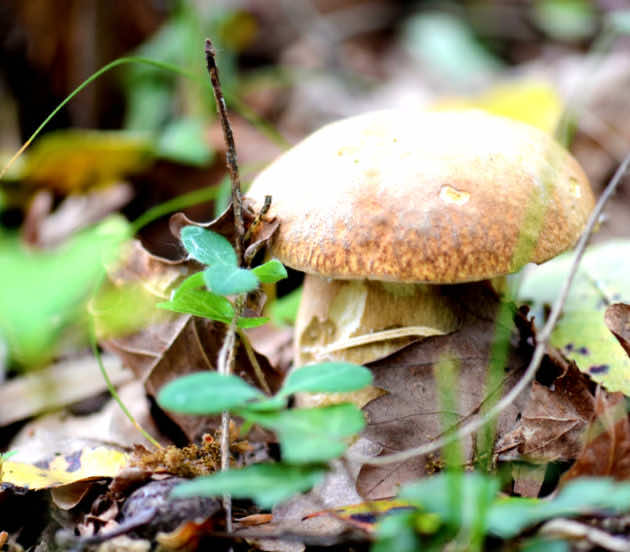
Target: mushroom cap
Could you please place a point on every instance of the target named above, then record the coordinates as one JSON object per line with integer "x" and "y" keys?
{"x": 415, "y": 196}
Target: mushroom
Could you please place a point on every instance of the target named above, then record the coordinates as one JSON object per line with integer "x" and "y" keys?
{"x": 386, "y": 211}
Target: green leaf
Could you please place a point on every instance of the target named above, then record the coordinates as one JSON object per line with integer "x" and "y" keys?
{"x": 447, "y": 45}
{"x": 192, "y": 283}
{"x": 270, "y": 272}
{"x": 461, "y": 500}
{"x": 183, "y": 141}
{"x": 581, "y": 332}
{"x": 509, "y": 516}
{"x": 396, "y": 532}
{"x": 228, "y": 279}
{"x": 566, "y": 19}
{"x": 200, "y": 303}
{"x": 326, "y": 377}
{"x": 266, "y": 484}
{"x": 43, "y": 294}
{"x": 252, "y": 322}
{"x": 310, "y": 434}
{"x": 545, "y": 545}
{"x": 284, "y": 310}
{"x": 207, "y": 247}
{"x": 206, "y": 393}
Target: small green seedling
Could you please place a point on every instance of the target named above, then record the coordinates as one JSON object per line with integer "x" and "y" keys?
{"x": 308, "y": 437}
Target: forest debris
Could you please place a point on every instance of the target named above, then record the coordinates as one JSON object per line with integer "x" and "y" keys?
{"x": 410, "y": 413}
{"x": 81, "y": 465}
{"x": 617, "y": 319}
{"x": 57, "y": 385}
{"x": 553, "y": 419}
{"x": 606, "y": 441}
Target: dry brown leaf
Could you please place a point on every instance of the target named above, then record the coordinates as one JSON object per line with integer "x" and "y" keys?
{"x": 606, "y": 451}
{"x": 617, "y": 319}
{"x": 410, "y": 413}
{"x": 553, "y": 419}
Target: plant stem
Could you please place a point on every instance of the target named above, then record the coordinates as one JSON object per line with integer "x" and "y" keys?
{"x": 539, "y": 352}
{"x": 114, "y": 393}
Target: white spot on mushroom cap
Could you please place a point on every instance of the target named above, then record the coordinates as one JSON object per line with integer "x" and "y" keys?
{"x": 449, "y": 194}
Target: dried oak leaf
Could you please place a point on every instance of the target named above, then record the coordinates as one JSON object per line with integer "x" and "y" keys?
{"x": 617, "y": 319}
{"x": 606, "y": 442}
{"x": 554, "y": 417}
{"x": 411, "y": 413}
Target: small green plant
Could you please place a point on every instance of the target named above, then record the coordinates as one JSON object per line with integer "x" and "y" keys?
{"x": 309, "y": 437}
{"x": 479, "y": 511}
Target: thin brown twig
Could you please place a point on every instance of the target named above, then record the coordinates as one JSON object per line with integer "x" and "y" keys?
{"x": 230, "y": 156}
{"x": 227, "y": 353}
{"x": 539, "y": 351}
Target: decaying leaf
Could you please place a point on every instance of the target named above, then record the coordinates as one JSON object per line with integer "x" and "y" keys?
{"x": 74, "y": 160}
{"x": 411, "y": 413}
{"x": 606, "y": 442}
{"x": 581, "y": 333}
{"x": 617, "y": 319}
{"x": 65, "y": 469}
{"x": 553, "y": 419}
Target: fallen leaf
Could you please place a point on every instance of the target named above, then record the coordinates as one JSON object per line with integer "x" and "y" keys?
{"x": 606, "y": 443}
{"x": 64, "y": 469}
{"x": 74, "y": 160}
{"x": 535, "y": 102}
{"x": 617, "y": 319}
{"x": 581, "y": 333}
{"x": 410, "y": 413}
{"x": 553, "y": 419}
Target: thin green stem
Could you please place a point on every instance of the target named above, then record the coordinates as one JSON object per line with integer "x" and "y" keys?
{"x": 114, "y": 393}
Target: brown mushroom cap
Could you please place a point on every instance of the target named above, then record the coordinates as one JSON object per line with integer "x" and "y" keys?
{"x": 437, "y": 197}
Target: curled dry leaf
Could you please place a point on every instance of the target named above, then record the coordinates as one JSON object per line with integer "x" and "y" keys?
{"x": 554, "y": 417}
{"x": 606, "y": 441}
{"x": 617, "y": 319}
{"x": 224, "y": 225}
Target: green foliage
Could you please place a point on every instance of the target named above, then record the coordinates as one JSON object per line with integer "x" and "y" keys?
{"x": 183, "y": 141}
{"x": 284, "y": 310}
{"x": 44, "y": 294}
{"x": 207, "y": 393}
{"x": 208, "y": 247}
{"x": 448, "y": 46}
{"x": 267, "y": 484}
{"x": 581, "y": 332}
{"x": 226, "y": 279}
{"x": 566, "y": 19}
{"x": 270, "y": 272}
{"x": 326, "y": 377}
{"x": 306, "y": 435}
{"x": 310, "y": 434}
{"x": 466, "y": 508}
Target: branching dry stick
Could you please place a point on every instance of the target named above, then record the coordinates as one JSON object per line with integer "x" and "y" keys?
{"x": 227, "y": 353}
{"x": 539, "y": 351}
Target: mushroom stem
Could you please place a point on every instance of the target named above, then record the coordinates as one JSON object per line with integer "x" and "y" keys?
{"x": 364, "y": 320}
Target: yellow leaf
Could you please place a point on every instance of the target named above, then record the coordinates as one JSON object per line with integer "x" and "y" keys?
{"x": 82, "y": 465}
{"x": 74, "y": 160}
{"x": 533, "y": 102}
